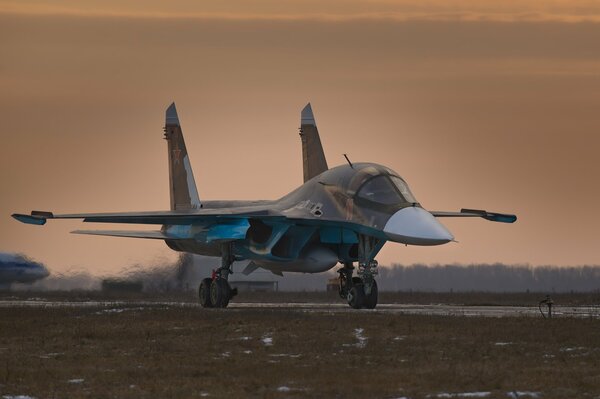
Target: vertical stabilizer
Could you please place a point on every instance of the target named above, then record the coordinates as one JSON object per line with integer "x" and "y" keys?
{"x": 182, "y": 186}
{"x": 313, "y": 157}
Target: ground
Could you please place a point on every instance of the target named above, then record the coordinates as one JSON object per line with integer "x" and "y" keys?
{"x": 162, "y": 350}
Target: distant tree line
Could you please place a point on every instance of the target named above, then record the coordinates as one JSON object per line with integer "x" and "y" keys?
{"x": 495, "y": 277}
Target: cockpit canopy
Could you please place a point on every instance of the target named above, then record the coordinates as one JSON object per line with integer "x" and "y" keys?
{"x": 372, "y": 185}
{"x": 386, "y": 190}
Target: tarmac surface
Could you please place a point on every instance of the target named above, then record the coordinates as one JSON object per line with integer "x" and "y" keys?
{"x": 433, "y": 310}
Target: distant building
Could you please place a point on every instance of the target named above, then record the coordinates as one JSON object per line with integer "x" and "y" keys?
{"x": 333, "y": 284}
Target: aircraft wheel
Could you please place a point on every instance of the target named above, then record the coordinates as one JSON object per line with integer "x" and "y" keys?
{"x": 356, "y": 296}
{"x": 204, "y": 293}
{"x": 219, "y": 293}
{"x": 371, "y": 299}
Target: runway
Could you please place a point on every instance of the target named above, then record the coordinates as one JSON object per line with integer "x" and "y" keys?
{"x": 431, "y": 310}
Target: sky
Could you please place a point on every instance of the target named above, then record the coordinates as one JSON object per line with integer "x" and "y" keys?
{"x": 492, "y": 105}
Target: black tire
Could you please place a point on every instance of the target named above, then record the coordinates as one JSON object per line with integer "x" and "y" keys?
{"x": 204, "y": 293}
{"x": 219, "y": 293}
{"x": 356, "y": 296}
{"x": 371, "y": 299}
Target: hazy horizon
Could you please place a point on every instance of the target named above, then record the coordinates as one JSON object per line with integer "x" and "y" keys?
{"x": 491, "y": 106}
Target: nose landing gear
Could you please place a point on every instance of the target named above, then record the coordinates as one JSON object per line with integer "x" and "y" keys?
{"x": 361, "y": 291}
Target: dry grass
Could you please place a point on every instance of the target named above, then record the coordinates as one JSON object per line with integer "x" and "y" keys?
{"x": 184, "y": 352}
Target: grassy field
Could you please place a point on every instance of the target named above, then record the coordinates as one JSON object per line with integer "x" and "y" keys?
{"x": 161, "y": 351}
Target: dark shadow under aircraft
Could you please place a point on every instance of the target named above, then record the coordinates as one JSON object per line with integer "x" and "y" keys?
{"x": 341, "y": 215}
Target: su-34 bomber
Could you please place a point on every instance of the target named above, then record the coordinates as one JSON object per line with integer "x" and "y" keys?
{"x": 343, "y": 214}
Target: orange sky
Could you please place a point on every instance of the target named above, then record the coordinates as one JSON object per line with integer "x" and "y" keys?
{"x": 492, "y": 105}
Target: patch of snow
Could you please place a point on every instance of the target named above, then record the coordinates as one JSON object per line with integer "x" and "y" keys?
{"x": 285, "y": 388}
{"x": 245, "y": 338}
{"x": 577, "y": 348}
{"x": 523, "y": 394}
{"x": 286, "y": 355}
{"x": 247, "y": 352}
{"x": 76, "y": 381}
{"x": 17, "y": 397}
{"x": 204, "y": 394}
{"x": 483, "y": 394}
{"x": 50, "y": 355}
{"x": 400, "y": 338}
{"x": 503, "y": 343}
{"x": 362, "y": 340}
{"x": 119, "y": 310}
{"x": 115, "y": 310}
{"x": 225, "y": 354}
{"x": 267, "y": 341}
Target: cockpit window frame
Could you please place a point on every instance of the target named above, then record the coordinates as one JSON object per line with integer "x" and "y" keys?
{"x": 385, "y": 207}
{"x": 411, "y": 199}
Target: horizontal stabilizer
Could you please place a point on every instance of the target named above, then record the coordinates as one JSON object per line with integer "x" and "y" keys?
{"x": 155, "y": 235}
{"x": 491, "y": 216}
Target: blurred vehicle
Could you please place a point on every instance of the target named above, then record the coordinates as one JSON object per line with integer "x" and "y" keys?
{"x": 15, "y": 268}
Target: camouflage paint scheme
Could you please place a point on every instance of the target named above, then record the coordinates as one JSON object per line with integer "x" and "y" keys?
{"x": 343, "y": 214}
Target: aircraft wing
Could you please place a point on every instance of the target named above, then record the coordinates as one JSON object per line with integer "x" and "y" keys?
{"x": 200, "y": 216}
{"x": 155, "y": 235}
{"x": 208, "y": 224}
{"x": 491, "y": 216}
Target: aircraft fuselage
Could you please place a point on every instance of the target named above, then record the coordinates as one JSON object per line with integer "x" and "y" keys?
{"x": 308, "y": 237}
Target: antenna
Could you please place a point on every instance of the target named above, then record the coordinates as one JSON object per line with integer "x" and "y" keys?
{"x": 349, "y": 163}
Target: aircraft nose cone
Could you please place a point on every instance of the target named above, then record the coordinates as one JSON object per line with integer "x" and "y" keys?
{"x": 416, "y": 226}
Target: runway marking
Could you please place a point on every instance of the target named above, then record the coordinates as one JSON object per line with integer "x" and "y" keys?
{"x": 310, "y": 307}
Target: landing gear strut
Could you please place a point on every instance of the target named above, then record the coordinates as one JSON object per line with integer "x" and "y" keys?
{"x": 215, "y": 292}
{"x": 361, "y": 291}
{"x": 345, "y": 279}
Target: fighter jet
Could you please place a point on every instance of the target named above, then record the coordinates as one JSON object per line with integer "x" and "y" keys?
{"x": 16, "y": 268}
{"x": 343, "y": 214}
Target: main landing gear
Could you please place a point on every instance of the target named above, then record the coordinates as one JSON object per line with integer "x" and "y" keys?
{"x": 215, "y": 292}
{"x": 361, "y": 291}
